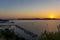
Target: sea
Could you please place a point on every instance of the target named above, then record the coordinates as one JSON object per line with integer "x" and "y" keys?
{"x": 38, "y": 26}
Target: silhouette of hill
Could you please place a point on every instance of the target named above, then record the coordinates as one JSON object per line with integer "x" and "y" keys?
{"x": 38, "y": 19}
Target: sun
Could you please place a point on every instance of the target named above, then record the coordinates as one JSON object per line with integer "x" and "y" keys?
{"x": 51, "y": 16}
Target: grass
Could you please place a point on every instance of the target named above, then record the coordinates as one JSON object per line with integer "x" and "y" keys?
{"x": 50, "y": 36}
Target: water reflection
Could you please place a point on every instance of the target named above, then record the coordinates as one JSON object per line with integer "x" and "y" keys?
{"x": 38, "y": 26}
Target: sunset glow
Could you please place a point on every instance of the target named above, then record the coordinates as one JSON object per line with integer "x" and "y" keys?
{"x": 52, "y": 16}
{"x": 29, "y": 9}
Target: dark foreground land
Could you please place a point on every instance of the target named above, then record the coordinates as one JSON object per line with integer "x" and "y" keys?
{"x": 50, "y": 36}
{"x": 9, "y": 35}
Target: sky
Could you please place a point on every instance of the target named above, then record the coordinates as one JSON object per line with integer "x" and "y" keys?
{"x": 29, "y": 8}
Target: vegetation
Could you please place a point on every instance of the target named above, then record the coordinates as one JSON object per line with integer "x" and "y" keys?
{"x": 50, "y": 36}
{"x": 9, "y": 35}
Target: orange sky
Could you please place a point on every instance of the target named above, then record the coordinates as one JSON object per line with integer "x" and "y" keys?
{"x": 30, "y": 9}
